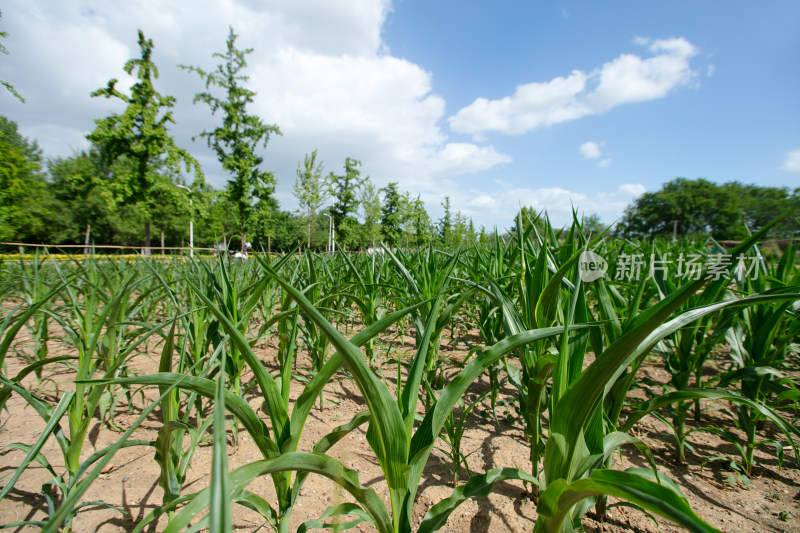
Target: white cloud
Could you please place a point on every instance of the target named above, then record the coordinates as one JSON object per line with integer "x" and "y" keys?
{"x": 792, "y": 162}
{"x": 533, "y": 105}
{"x": 590, "y": 150}
{"x": 499, "y": 206}
{"x": 631, "y": 191}
{"x": 626, "y": 79}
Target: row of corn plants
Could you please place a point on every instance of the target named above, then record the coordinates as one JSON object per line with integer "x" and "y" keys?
{"x": 570, "y": 346}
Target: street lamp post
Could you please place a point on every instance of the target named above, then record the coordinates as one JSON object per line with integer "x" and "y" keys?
{"x": 191, "y": 221}
{"x": 330, "y": 232}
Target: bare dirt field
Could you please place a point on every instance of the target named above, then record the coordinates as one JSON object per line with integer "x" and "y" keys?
{"x": 130, "y": 482}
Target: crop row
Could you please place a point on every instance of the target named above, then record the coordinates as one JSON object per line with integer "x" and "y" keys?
{"x": 564, "y": 320}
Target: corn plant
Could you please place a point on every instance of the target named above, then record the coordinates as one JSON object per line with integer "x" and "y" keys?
{"x": 33, "y": 285}
{"x": 760, "y": 340}
{"x": 487, "y": 314}
{"x": 427, "y": 282}
{"x": 62, "y": 512}
{"x": 539, "y": 287}
{"x": 316, "y": 280}
{"x": 91, "y": 321}
{"x": 401, "y": 452}
{"x": 77, "y": 406}
{"x": 286, "y": 431}
{"x": 11, "y": 325}
{"x": 368, "y": 293}
{"x": 453, "y": 433}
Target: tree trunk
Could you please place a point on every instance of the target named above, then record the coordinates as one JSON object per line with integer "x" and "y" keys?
{"x": 244, "y": 240}
{"x": 86, "y": 240}
{"x": 309, "y": 228}
{"x": 147, "y": 239}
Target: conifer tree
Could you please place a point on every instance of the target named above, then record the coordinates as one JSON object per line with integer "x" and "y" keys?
{"x": 371, "y": 207}
{"x": 310, "y": 188}
{"x": 391, "y": 215}
{"x": 140, "y": 135}
{"x": 235, "y": 141}
{"x": 345, "y": 189}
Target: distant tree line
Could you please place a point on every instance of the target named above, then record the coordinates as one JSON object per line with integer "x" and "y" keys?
{"x": 726, "y": 212}
{"x": 52, "y": 200}
{"x": 131, "y": 186}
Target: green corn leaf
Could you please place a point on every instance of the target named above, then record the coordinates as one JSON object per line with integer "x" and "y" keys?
{"x": 391, "y": 443}
{"x": 220, "y": 517}
{"x": 298, "y": 462}
{"x": 259, "y": 505}
{"x": 19, "y": 322}
{"x": 306, "y": 400}
{"x": 648, "y": 407}
{"x": 73, "y": 496}
{"x": 50, "y": 427}
{"x": 477, "y": 487}
{"x": 237, "y": 406}
{"x": 559, "y": 497}
{"x": 343, "y": 509}
{"x": 585, "y": 393}
{"x": 266, "y": 383}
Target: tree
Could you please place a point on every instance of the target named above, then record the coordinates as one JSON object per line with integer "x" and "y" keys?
{"x": 236, "y": 140}
{"x": 310, "y": 189}
{"x": 5, "y": 84}
{"x": 216, "y": 222}
{"x": 462, "y": 229}
{"x": 446, "y": 223}
{"x": 759, "y": 205}
{"x": 28, "y": 210}
{"x": 529, "y": 218}
{"x": 140, "y": 135}
{"x": 345, "y": 190}
{"x": 82, "y": 183}
{"x": 592, "y": 225}
{"x": 391, "y": 215}
{"x": 686, "y": 206}
{"x": 371, "y": 205}
{"x": 420, "y": 227}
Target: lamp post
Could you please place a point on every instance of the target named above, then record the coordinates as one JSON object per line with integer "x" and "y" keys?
{"x": 330, "y": 232}
{"x": 191, "y": 220}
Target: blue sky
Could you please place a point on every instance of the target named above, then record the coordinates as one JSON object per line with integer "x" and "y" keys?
{"x": 494, "y": 104}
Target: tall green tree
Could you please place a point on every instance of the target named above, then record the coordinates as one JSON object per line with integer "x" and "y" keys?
{"x": 592, "y": 225}
{"x": 392, "y": 215}
{"x": 216, "y": 221}
{"x": 462, "y": 229}
{"x": 446, "y": 222}
{"x": 310, "y": 189}
{"x": 235, "y": 141}
{"x": 530, "y": 217}
{"x": 759, "y": 205}
{"x": 345, "y": 190}
{"x": 371, "y": 206}
{"x": 140, "y": 135}
{"x": 684, "y": 206}
{"x": 28, "y": 210}
{"x": 81, "y": 182}
{"x": 420, "y": 227}
{"x": 7, "y": 85}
